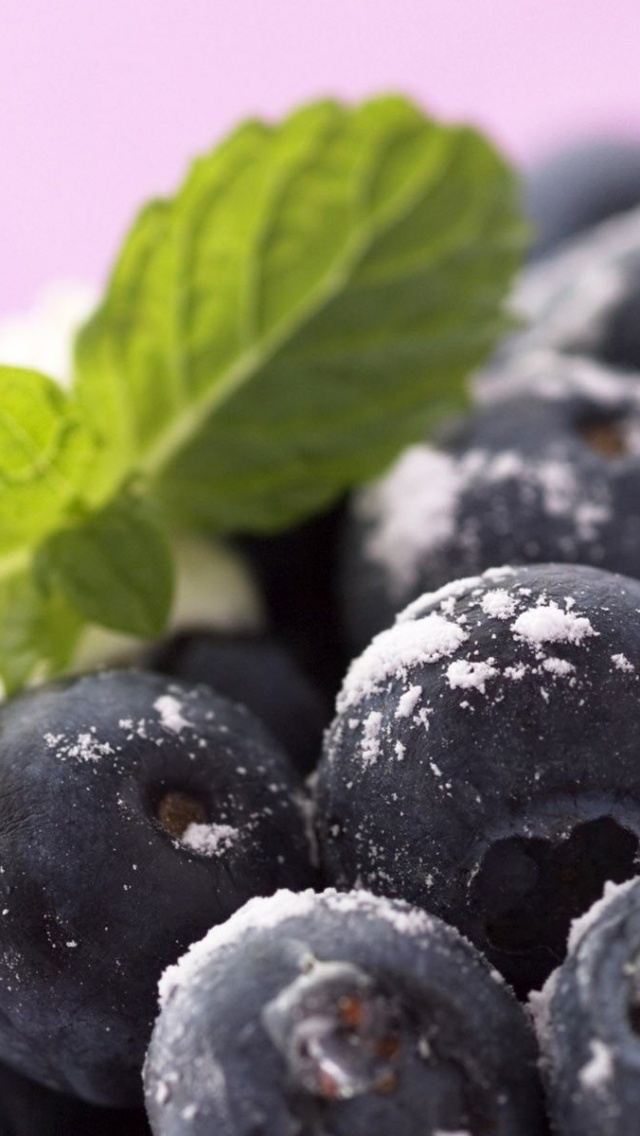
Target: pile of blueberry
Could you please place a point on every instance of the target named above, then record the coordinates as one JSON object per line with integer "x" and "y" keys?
{"x": 416, "y": 912}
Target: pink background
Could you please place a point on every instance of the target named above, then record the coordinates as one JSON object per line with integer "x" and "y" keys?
{"x": 102, "y": 102}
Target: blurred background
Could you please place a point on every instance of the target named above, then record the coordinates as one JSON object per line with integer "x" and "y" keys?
{"x": 102, "y": 105}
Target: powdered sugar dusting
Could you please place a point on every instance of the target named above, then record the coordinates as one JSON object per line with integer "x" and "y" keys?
{"x": 583, "y": 923}
{"x": 170, "y": 711}
{"x": 419, "y": 509}
{"x": 371, "y": 737}
{"x": 259, "y": 912}
{"x": 598, "y": 1071}
{"x": 393, "y": 652}
{"x": 408, "y": 702}
{"x": 209, "y": 839}
{"x": 267, "y": 913}
{"x": 407, "y": 920}
{"x": 440, "y": 598}
{"x": 498, "y": 604}
{"x": 413, "y": 507}
{"x": 622, "y": 663}
{"x": 470, "y": 675}
{"x": 558, "y": 667}
{"x": 548, "y": 623}
{"x": 83, "y": 747}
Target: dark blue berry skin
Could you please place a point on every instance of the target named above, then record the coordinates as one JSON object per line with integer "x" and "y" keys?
{"x": 344, "y": 1014}
{"x": 29, "y": 1109}
{"x": 589, "y": 1023}
{"x": 99, "y": 777}
{"x": 580, "y": 186}
{"x": 533, "y": 479}
{"x": 259, "y": 672}
{"x": 487, "y": 775}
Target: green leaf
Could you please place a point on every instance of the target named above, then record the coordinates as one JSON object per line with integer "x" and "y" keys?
{"x": 115, "y": 569}
{"x": 45, "y": 453}
{"x": 310, "y": 301}
{"x": 38, "y": 629}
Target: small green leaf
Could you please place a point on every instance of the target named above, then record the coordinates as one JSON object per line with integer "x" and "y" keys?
{"x": 45, "y": 453}
{"x": 115, "y": 569}
{"x": 311, "y": 301}
{"x": 38, "y": 629}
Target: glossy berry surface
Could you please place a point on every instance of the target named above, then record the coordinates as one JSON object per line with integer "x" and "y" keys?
{"x": 135, "y": 813}
{"x": 483, "y": 762}
{"x": 338, "y": 1013}
{"x": 262, "y": 674}
{"x": 588, "y": 1019}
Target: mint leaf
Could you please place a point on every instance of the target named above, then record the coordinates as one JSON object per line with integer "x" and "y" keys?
{"x": 45, "y": 452}
{"x": 115, "y": 569}
{"x": 38, "y": 629}
{"x": 310, "y": 301}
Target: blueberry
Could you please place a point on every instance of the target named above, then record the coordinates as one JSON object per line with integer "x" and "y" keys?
{"x": 258, "y": 671}
{"x": 483, "y": 761}
{"x": 338, "y": 1013}
{"x": 588, "y": 1019}
{"x": 550, "y": 477}
{"x": 579, "y": 186}
{"x": 134, "y": 814}
{"x": 581, "y": 302}
{"x": 29, "y": 1109}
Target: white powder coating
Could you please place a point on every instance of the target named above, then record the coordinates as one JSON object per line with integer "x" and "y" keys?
{"x": 170, "y": 712}
{"x": 558, "y": 667}
{"x": 556, "y": 377}
{"x": 498, "y": 604}
{"x": 566, "y": 301}
{"x": 469, "y": 675}
{"x": 441, "y": 598}
{"x": 566, "y": 298}
{"x": 598, "y": 1070}
{"x": 413, "y": 509}
{"x": 84, "y": 747}
{"x": 408, "y": 701}
{"x": 209, "y": 839}
{"x": 413, "y": 513}
{"x": 583, "y": 923}
{"x": 503, "y": 572}
{"x": 622, "y": 663}
{"x": 267, "y": 913}
{"x": 548, "y": 623}
{"x": 557, "y": 481}
{"x": 394, "y": 652}
{"x": 371, "y": 737}
{"x": 258, "y": 912}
